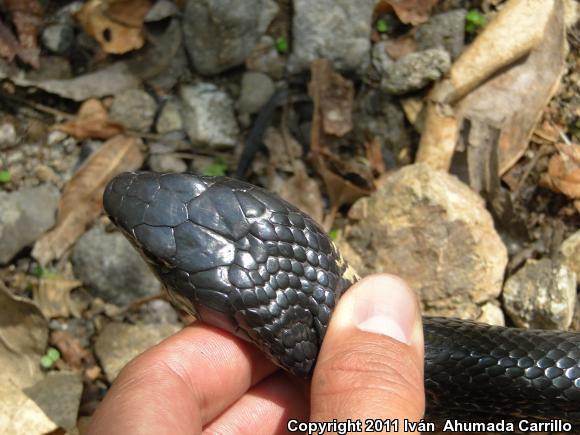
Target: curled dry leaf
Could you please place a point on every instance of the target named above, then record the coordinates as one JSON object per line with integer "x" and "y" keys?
{"x": 8, "y": 44}
{"x": 92, "y": 122}
{"x": 27, "y": 18}
{"x": 564, "y": 171}
{"x": 116, "y": 24}
{"x": 81, "y": 200}
{"x": 71, "y": 349}
{"x": 23, "y": 340}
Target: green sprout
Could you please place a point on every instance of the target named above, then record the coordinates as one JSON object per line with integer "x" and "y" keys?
{"x": 5, "y": 176}
{"x": 40, "y": 272}
{"x": 51, "y": 356}
{"x": 474, "y": 20}
{"x": 282, "y": 45}
{"x": 333, "y": 234}
{"x": 382, "y": 26}
{"x": 216, "y": 168}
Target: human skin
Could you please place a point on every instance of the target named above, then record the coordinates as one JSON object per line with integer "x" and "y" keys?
{"x": 203, "y": 380}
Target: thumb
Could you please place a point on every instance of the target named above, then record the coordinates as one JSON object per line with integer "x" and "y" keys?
{"x": 371, "y": 361}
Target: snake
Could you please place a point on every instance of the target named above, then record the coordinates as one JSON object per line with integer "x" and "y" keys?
{"x": 244, "y": 260}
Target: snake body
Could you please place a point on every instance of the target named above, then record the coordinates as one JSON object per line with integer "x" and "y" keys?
{"x": 246, "y": 261}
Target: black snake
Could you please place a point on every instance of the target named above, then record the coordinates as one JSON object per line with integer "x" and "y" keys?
{"x": 246, "y": 261}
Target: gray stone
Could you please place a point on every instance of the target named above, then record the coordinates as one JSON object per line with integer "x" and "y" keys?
{"x": 8, "y": 136}
{"x": 492, "y": 314}
{"x": 59, "y": 396}
{"x": 135, "y": 109}
{"x": 169, "y": 118}
{"x": 219, "y": 34}
{"x": 434, "y": 231}
{"x": 119, "y": 343}
{"x": 167, "y": 163}
{"x": 542, "y": 294}
{"x": 161, "y": 10}
{"x": 111, "y": 268}
{"x": 337, "y": 30}
{"x": 208, "y": 116}
{"x": 24, "y": 216}
{"x": 415, "y": 71}
{"x": 58, "y": 38}
{"x": 257, "y": 88}
{"x": 445, "y": 30}
{"x": 570, "y": 249}
{"x": 380, "y": 57}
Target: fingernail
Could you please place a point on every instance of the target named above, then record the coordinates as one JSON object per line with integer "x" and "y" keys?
{"x": 388, "y": 307}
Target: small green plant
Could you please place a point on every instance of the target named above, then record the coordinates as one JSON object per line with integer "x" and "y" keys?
{"x": 51, "y": 356}
{"x": 333, "y": 233}
{"x": 382, "y": 26}
{"x": 5, "y": 176}
{"x": 216, "y": 168}
{"x": 40, "y": 272}
{"x": 474, "y": 20}
{"x": 282, "y": 45}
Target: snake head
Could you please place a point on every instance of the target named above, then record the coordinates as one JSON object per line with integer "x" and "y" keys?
{"x": 236, "y": 256}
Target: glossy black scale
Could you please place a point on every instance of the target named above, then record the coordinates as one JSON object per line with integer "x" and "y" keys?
{"x": 248, "y": 262}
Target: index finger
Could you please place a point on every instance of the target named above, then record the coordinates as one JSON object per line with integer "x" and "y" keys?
{"x": 181, "y": 384}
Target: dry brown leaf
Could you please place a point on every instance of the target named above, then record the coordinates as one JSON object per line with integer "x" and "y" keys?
{"x": 564, "y": 171}
{"x": 282, "y": 154}
{"x": 335, "y": 98}
{"x": 8, "y": 44}
{"x": 81, "y": 200}
{"x": 412, "y": 11}
{"x": 52, "y": 295}
{"x": 27, "y": 18}
{"x": 71, "y": 349}
{"x": 375, "y": 155}
{"x": 107, "y": 22}
{"x": 92, "y": 122}
{"x": 131, "y": 13}
{"x": 401, "y": 46}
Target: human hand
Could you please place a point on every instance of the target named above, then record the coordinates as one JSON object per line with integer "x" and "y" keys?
{"x": 202, "y": 379}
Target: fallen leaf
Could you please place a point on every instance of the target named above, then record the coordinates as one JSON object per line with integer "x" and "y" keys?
{"x": 52, "y": 295}
{"x": 8, "y": 44}
{"x": 23, "y": 340}
{"x": 564, "y": 171}
{"x": 92, "y": 122}
{"x": 116, "y": 24}
{"x": 412, "y": 11}
{"x": 375, "y": 155}
{"x": 401, "y": 46}
{"x": 71, "y": 350}
{"x": 27, "y": 18}
{"x": 19, "y": 414}
{"x": 81, "y": 200}
{"x": 282, "y": 155}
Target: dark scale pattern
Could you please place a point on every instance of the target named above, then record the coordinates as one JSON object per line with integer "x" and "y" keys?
{"x": 246, "y": 261}
{"x": 236, "y": 256}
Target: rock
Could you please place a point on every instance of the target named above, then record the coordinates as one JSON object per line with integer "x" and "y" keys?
{"x": 111, "y": 268}
{"x": 445, "y": 30}
{"x": 161, "y": 10}
{"x": 58, "y": 38}
{"x": 219, "y": 34}
{"x": 167, "y": 163}
{"x": 169, "y": 118}
{"x": 434, "y": 231}
{"x": 208, "y": 116}
{"x": 570, "y": 249}
{"x": 491, "y": 314}
{"x": 337, "y": 30}
{"x": 119, "y": 343}
{"x": 265, "y": 58}
{"x": 541, "y": 295}
{"x": 8, "y": 136}
{"x": 159, "y": 311}
{"x": 135, "y": 109}
{"x": 24, "y": 216}
{"x": 257, "y": 89}
{"x": 59, "y": 396}
{"x": 415, "y": 71}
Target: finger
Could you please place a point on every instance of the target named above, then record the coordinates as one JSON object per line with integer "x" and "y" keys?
{"x": 181, "y": 384}
{"x": 371, "y": 361}
{"x": 264, "y": 409}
